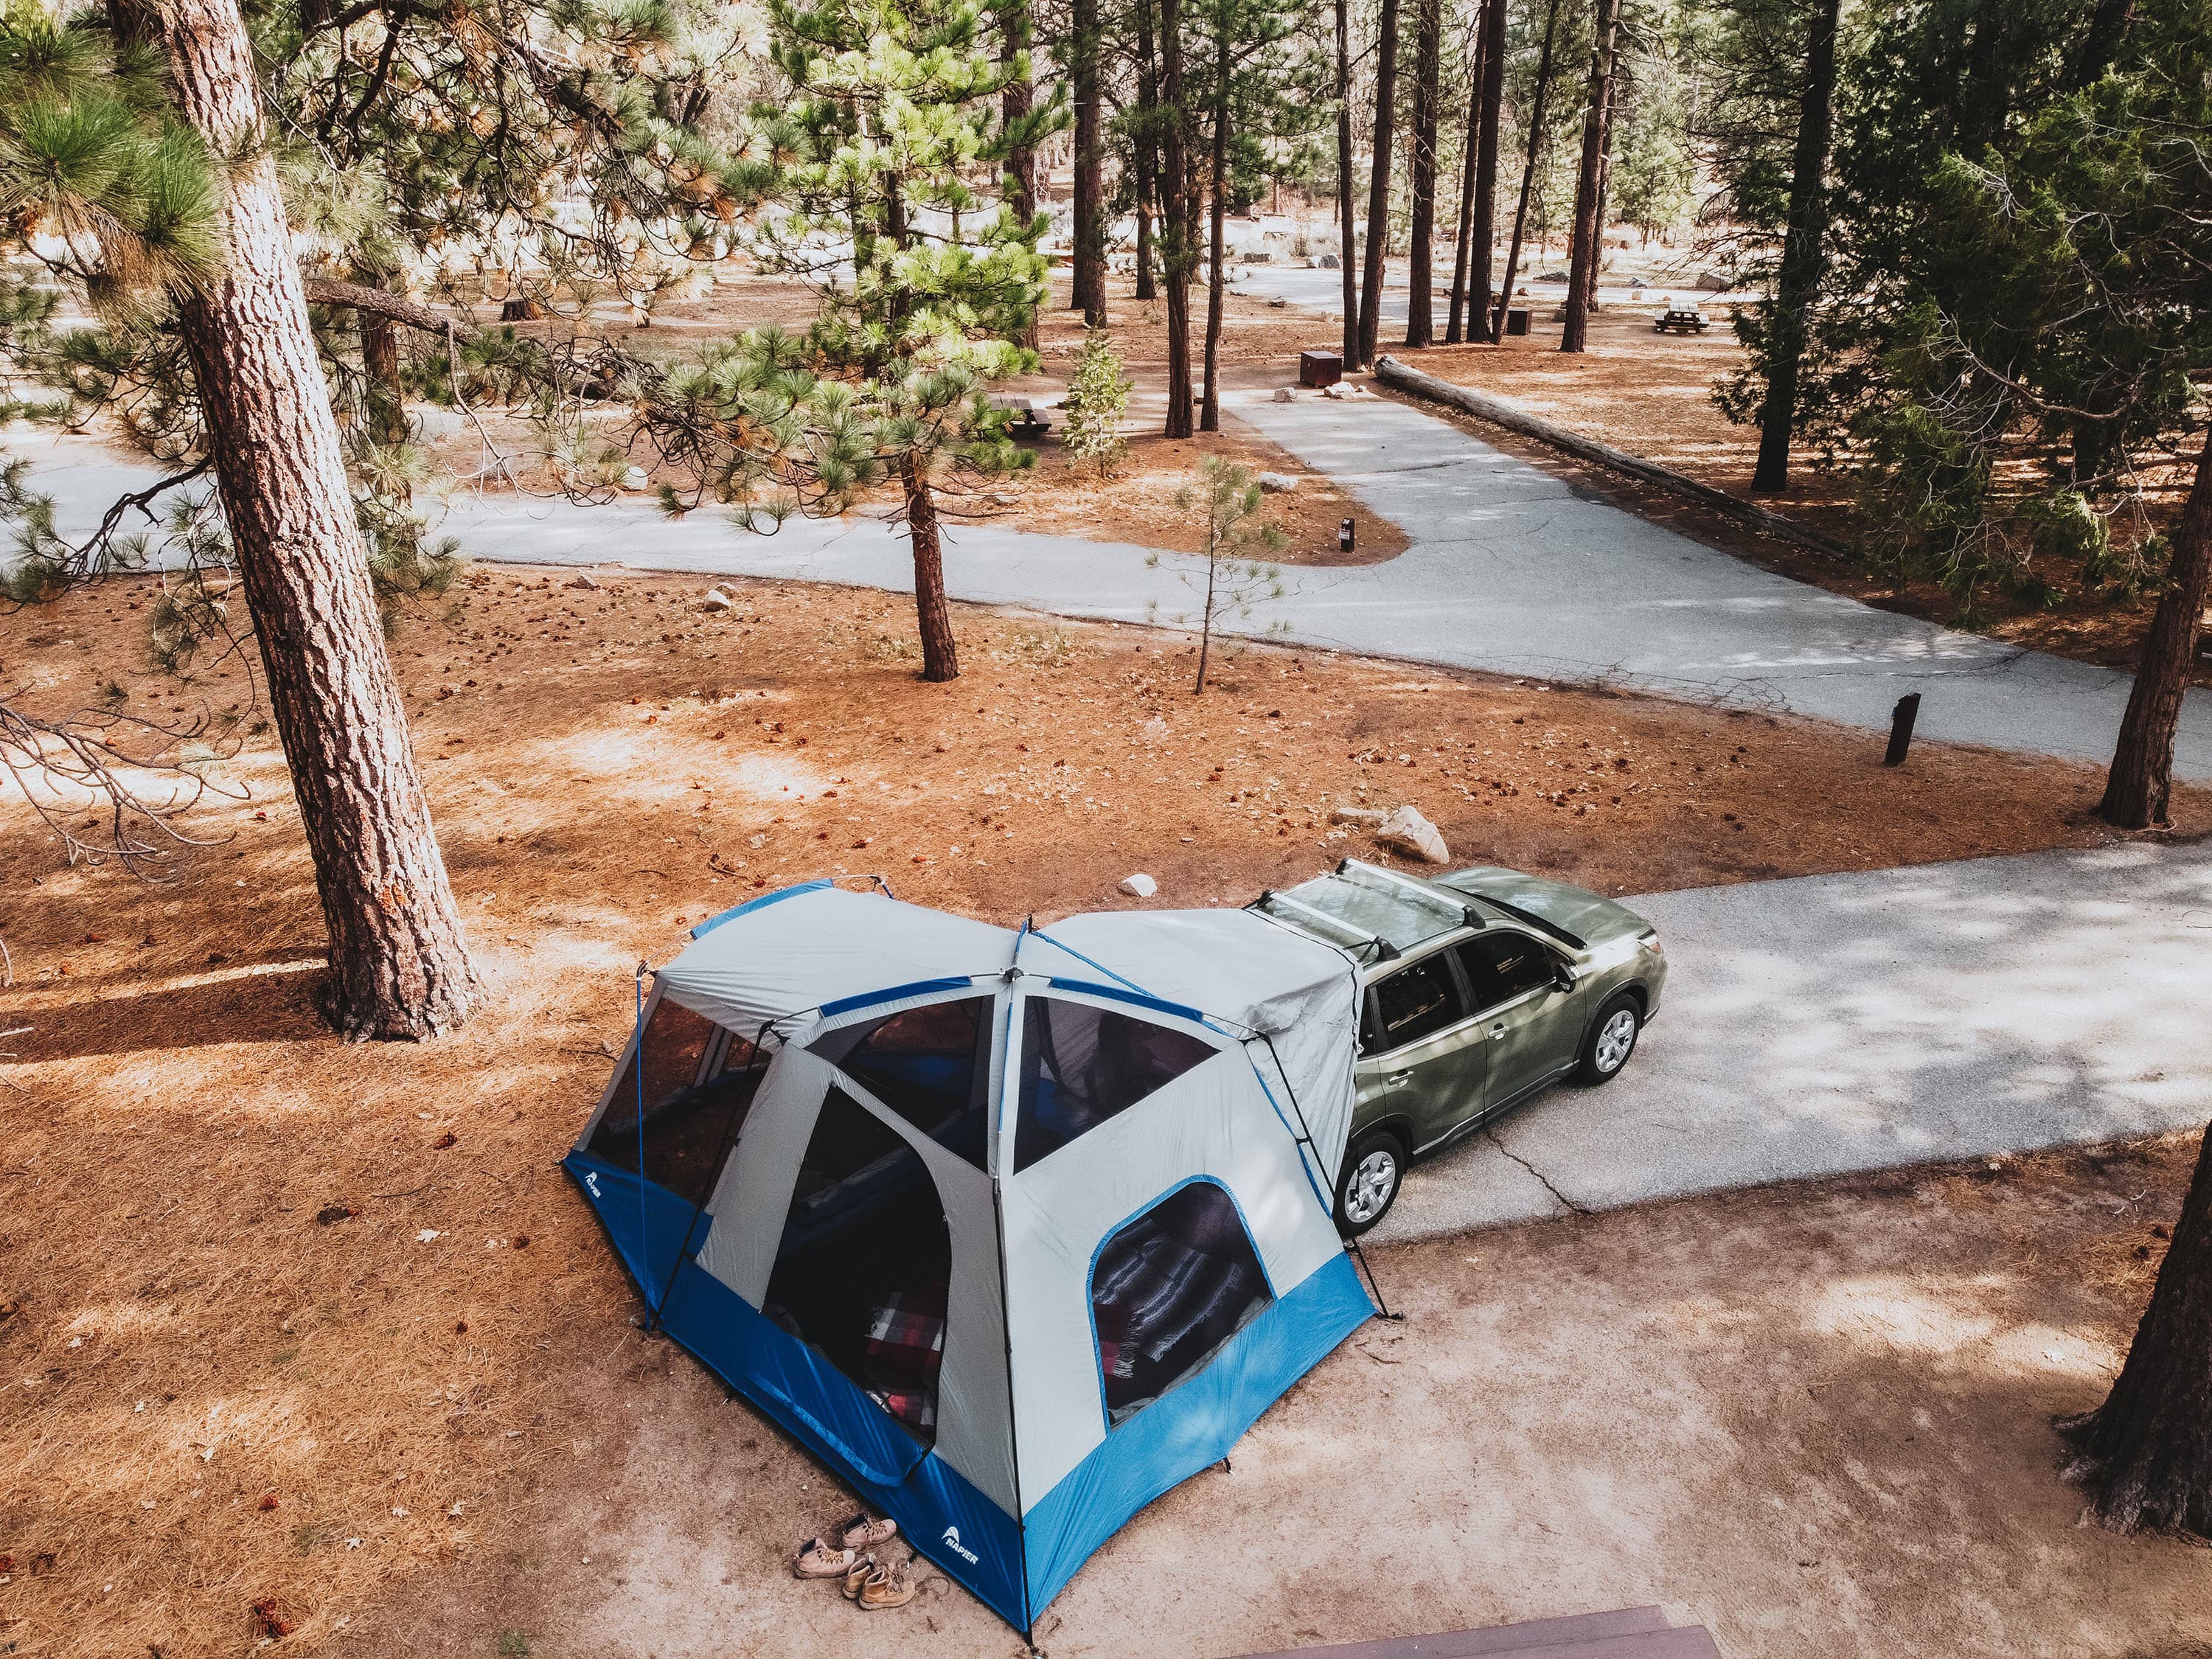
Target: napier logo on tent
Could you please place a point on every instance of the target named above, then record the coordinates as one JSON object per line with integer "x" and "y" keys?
{"x": 592, "y": 1180}
{"x": 952, "y": 1543}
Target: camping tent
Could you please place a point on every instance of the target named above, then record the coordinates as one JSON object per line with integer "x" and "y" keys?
{"x": 1014, "y": 1230}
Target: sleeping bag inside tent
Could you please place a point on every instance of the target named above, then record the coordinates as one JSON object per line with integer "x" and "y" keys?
{"x": 1014, "y": 1231}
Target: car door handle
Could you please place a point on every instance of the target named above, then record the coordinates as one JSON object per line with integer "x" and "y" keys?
{"x": 1498, "y": 1031}
{"x": 1396, "y": 1078}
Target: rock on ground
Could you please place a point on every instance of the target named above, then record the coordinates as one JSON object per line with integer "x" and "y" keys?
{"x": 1408, "y": 831}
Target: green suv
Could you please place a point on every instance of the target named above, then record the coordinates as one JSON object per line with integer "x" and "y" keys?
{"x": 1478, "y": 989}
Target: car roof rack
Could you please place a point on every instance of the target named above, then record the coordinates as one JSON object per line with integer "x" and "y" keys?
{"x": 1469, "y": 916}
{"x": 1541, "y": 924}
{"x": 1384, "y": 951}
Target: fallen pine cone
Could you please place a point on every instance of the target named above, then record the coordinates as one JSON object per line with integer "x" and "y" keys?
{"x": 271, "y": 1622}
{"x": 333, "y": 1212}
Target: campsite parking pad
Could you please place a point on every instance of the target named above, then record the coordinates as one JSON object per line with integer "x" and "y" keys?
{"x": 1861, "y": 1021}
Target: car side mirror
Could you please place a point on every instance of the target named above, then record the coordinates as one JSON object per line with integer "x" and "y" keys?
{"x": 1563, "y": 975}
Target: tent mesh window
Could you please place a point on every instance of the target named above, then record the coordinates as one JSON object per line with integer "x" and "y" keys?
{"x": 930, "y": 1065}
{"x": 1168, "y": 1289}
{"x": 690, "y": 1120}
{"x": 860, "y": 1275}
{"x": 1082, "y": 1064}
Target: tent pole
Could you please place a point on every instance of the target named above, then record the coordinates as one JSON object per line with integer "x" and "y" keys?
{"x": 1308, "y": 1141}
{"x": 638, "y": 1048}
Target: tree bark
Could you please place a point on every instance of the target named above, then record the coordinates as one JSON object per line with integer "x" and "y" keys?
{"x": 2141, "y": 778}
{"x": 1537, "y": 101}
{"x": 1146, "y": 147}
{"x": 2145, "y": 1454}
{"x": 1217, "y": 271}
{"x": 1347, "y": 231}
{"x": 399, "y": 967}
{"x": 1015, "y": 103}
{"x": 1378, "y": 187}
{"x": 1801, "y": 257}
{"x": 1089, "y": 296}
{"x": 1464, "y": 228}
{"x": 1176, "y": 256}
{"x": 1421, "y": 171}
{"x": 1581, "y": 270}
{"x": 1485, "y": 169}
{"x": 940, "y": 656}
{"x": 1604, "y": 190}
{"x": 385, "y": 396}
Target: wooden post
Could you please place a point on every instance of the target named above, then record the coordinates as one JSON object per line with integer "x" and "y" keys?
{"x": 1900, "y": 728}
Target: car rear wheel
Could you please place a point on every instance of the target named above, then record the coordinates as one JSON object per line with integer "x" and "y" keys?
{"x": 1367, "y": 1184}
{"x": 1612, "y": 1039}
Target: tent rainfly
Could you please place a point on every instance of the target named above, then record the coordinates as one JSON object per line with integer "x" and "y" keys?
{"x": 1014, "y": 1230}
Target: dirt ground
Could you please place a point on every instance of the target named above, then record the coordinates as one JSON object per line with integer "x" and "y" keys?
{"x": 1816, "y": 1420}
{"x": 298, "y": 1326}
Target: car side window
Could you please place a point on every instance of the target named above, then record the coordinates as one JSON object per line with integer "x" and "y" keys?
{"x": 1418, "y": 1001}
{"x": 1502, "y": 965}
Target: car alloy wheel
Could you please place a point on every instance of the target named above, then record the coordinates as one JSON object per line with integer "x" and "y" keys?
{"x": 1373, "y": 1184}
{"x": 1616, "y": 1040}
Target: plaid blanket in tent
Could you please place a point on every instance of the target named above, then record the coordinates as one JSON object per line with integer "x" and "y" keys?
{"x": 905, "y": 1345}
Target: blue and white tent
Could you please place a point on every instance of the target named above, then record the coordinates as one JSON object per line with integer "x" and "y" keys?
{"x": 1014, "y": 1231}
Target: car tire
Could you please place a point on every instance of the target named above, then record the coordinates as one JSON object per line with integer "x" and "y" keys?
{"x": 1367, "y": 1186}
{"x": 1611, "y": 1039}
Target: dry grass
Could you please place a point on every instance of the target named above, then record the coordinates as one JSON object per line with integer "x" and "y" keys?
{"x": 297, "y": 1325}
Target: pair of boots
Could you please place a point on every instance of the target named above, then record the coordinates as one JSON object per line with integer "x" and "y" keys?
{"x": 849, "y": 1554}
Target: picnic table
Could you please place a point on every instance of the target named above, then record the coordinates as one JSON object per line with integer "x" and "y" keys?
{"x": 1027, "y": 420}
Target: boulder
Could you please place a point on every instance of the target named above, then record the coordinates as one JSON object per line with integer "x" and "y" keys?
{"x": 1138, "y": 886}
{"x": 635, "y": 478}
{"x": 582, "y": 581}
{"x": 1277, "y": 483}
{"x": 716, "y": 600}
{"x": 1408, "y": 831}
{"x": 1285, "y": 395}
{"x": 1329, "y": 262}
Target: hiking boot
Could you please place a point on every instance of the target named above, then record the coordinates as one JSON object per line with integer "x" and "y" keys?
{"x": 857, "y": 1575}
{"x": 819, "y": 1558}
{"x": 864, "y": 1532}
{"x": 890, "y": 1586}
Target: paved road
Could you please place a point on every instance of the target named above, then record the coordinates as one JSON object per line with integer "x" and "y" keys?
{"x": 1510, "y": 569}
{"x": 1833, "y": 1023}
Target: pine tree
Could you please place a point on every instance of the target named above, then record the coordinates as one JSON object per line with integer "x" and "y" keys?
{"x": 895, "y": 103}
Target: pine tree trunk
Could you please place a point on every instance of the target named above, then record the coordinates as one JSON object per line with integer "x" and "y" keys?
{"x": 386, "y": 396}
{"x": 1421, "y": 170}
{"x": 1347, "y": 231}
{"x": 2145, "y": 1454}
{"x": 1217, "y": 274}
{"x": 1378, "y": 187}
{"x": 2141, "y": 777}
{"x": 1089, "y": 206}
{"x": 940, "y": 656}
{"x": 1146, "y": 147}
{"x": 1801, "y": 256}
{"x": 1537, "y": 101}
{"x": 398, "y": 965}
{"x": 1478, "y": 322}
{"x": 1463, "y": 234}
{"x": 1581, "y": 272}
{"x": 1177, "y": 255}
{"x": 1015, "y": 103}
{"x": 1604, "y": 190}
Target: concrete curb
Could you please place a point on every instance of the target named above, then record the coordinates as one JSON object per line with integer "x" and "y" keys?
{"x": 1500, "y": 411}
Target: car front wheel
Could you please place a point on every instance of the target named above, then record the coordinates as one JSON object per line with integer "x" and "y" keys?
{"x": 1368, "y": 1185}
{"x": 1612, "y": 1039}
